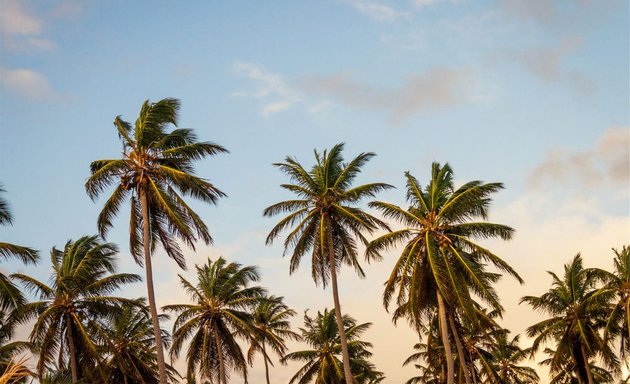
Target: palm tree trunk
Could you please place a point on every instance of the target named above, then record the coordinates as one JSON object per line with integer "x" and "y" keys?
{"x": 71, "y": 351}
{"x": 460, "y": 349}
{"x": 587, "y": 367}
{"x": 217, "y": 340}
{"x": 146, "y": 240}
{"x": 342, "y": 330}
{"x": 266, "y": 365}
{"x": 450, "y": 366}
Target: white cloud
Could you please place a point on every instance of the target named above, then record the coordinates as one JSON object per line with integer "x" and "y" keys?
{"x": 377, "y": 10}
{"x": 274, "y": 91}
{"x": 21, "y": 28}
{"x": 26, "y": 83}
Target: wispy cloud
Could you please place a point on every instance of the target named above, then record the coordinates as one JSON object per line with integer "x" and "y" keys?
{"x": 377, "y": 10}
{"x": 437, "y": 88}
{"x": 21, "y": 28}
{"x": 539, "y": 10}
{"x": 273, "y": 90}
{"x": 607, "y": 163}
{"x": 549, "y": 64}
{"x": 26, "y": 83}
{"x": 423, "y": 3}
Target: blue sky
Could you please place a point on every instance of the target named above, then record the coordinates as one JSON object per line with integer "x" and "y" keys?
{"x": 534, "y": 94}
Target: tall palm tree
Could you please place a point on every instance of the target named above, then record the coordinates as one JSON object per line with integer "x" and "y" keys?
{"x": 10, "y": 295}
{"x": 128, "y": 345}
{"x": 221, "y": 312}
{"x": 271, "y": 328}
{"x": 321, "y": 363}
{"x": 441, "y": 263}
{"x": 156, "y": 169}
{"x": 327, "y": 220}
{"x": 82, "y": 280}
{"x": 578, "y": 316}
{"x": 618, "y": 284}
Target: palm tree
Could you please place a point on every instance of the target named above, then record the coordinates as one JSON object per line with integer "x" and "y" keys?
{"x": 321, "y": 363}
{"x": 128, "y": 343}
{"x": 271, "y": 328}
{"x": 441, "y": 263}
{"x": 223, "y": 300}
{"x": 578, "y": 315}
{"x": 502, "y": 362}
{"x": 155, "y": 165}
{"x": 10, "y": 295}
{"x": 83, "y": 277}
{"x": 618, "y": 285}
{"x": 326, "y": 220}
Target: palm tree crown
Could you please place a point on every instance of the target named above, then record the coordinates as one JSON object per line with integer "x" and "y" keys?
{"x": 81, "y": 283}
{"x": 221, "y": 311}
{"x": 156, "y": 164}
{"x": 127, "y": 343}
{"x": 578, "y": 315}
{"x": 321, "y": 363}
{"x": 271, "y": 329}
{"x": 325, "y": 215}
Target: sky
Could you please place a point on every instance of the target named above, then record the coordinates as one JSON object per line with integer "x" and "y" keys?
{"x": 533, "y": 94}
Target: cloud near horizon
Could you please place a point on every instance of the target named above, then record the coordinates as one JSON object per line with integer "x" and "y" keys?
{"x": 606, "y": 163}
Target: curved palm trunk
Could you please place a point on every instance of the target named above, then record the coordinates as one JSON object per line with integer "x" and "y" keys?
{"x": 217, "y": 340}
{"x": 450, "y": 366}
{"x": 266, "y": 364}
{"x": 342, "y": 331}
{"x": 146, "y": 239}
{"x": 72, "y": 352}
{"x": 460, "y": 350}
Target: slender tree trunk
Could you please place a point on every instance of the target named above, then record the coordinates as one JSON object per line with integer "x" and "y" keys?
{"x": 342, "y": 330}
{"x": 450, "y": 366}
{"x": 266, "y": 365}
{"x": 146, "y": 240}
{"x": 460, "y": 349}
{"x": 217, "y": 340}
{"x": 71, "y": 351}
